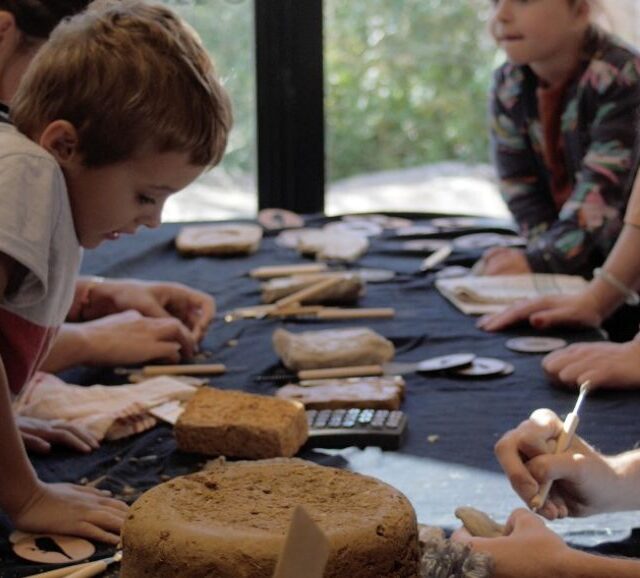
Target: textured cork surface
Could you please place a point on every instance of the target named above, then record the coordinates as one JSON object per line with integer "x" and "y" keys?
{"x": 231, "y": 522}
{"x": 243, "y": 425}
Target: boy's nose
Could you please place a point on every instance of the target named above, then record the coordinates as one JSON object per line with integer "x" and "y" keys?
{"x": 153, "y": 220}
{"x": 502, "y": 10}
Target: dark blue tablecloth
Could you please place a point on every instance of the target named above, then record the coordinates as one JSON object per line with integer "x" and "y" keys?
{"x": 468, "y": 415}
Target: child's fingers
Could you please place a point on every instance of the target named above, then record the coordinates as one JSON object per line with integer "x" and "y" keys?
{"x": 118, "y": 507}
{"x": 92, "y": 532}
{"x": 516, "y": 313}
{"x": 79, "y": 433}
{"x": 559, "y": 503}
{"x": 35, "y": 443}
{"x": 101, "y": 496}
{"x": 82, "y": 433}
{"x": 174, "y": 331}
{"x": 67, "y": 438}
{"x": 106, "y": 520}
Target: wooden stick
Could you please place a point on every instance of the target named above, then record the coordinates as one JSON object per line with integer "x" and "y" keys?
{"x": 364, "y": 313}
{"x": 307, "y": 292}
{"x": 60, "y": 572}
{"x": 186, "y": 369}
{"x": 84, "y": 570}
{"x": 97, "y": 567}
{"x": 436, "y": 258}
{"x": 355, "y": 371}
{"x": 299, "y": 310}
{"x": 92, "y": 569}
{"x": 271, "y": 271}
{"x": 255, "y": 312}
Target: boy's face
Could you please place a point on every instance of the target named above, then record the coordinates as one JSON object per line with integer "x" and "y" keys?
{"x": 117, "y": 199}
{"x": 539, "y": 32}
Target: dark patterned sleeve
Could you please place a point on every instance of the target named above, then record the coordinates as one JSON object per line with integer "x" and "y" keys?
{"x": 523, "y": 184}
{"x": 591, "y": 219}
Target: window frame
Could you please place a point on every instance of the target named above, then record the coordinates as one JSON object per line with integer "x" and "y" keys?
{"x": 290, "y": 104}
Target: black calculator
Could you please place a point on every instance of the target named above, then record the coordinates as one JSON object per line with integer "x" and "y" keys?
{"x": 342, "y": 428}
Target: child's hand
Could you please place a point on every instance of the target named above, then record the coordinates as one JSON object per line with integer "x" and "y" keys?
{"x": 585, "y": 482}
{"x": 153, "y": 299}
{"x": 606, "y": 365}
{"x": 129, "y": 337}
{"x": 38, "y": 435}
{"x": 530, "y": 550}
{"x": 579, "y": 310}
{"x": 73, "y": 510}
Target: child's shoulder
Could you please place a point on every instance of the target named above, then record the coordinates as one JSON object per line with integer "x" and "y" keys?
{"x": 614, "y": 52}
{"x": 613, "y": 69}
{"x": 15, "y": 144}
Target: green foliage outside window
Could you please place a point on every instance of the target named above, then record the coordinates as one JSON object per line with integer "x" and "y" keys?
{"x": 406, "y": 81}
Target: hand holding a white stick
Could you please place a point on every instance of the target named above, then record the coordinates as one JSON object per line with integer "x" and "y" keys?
{"x": 582, "y": 481}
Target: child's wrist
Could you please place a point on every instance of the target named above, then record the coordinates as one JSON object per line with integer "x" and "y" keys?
{"x": 86, "y": 297}
{"x": 627, "y": 475}
{"x": 605, "y": 298}
{"x": 20, "y": 494}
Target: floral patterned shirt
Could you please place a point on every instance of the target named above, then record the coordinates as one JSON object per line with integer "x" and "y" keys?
{"x": 600, "y": 136}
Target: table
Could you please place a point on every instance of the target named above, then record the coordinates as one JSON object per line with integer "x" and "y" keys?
{"x": 468, "y": 416}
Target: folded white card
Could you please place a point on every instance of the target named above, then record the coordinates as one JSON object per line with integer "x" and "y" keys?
{"x": 478, "y": 295}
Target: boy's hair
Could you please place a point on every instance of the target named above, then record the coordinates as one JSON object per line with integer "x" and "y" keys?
{"x": 37, "y": 18}
{"x": 131, "y": 78}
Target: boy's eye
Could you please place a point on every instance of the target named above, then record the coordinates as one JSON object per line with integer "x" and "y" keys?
{"x": 145, "y": 199}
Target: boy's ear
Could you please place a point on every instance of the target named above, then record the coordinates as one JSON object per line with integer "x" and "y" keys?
{"x": 9, "y": 35}
{"x": 7, "y": 22}
{"x": 60, "y": 138}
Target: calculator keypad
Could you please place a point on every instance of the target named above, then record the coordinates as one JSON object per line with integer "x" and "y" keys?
{"x": 356, "y": 427}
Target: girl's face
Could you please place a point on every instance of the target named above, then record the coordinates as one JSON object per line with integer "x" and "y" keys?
{"x": 544, "y": 34}
{"x": 16, "y": 53}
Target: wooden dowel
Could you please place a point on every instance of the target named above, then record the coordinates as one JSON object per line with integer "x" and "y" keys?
{"x": 186, "y": 369}
{"x": 269, "y": 272}
{"x": 328, "y": 373}
{"x": 93, "y": 569}
{"x": 307, "y": 292}
{"x": 364, "y": 313}
{"x": 60, "y": 572}
{"x": 299, "y": 310}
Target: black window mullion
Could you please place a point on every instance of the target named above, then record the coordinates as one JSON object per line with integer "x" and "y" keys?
{"x": 290, "y": 104}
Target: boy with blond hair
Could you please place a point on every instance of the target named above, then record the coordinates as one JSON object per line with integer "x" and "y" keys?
{"x": 119, "y": 110}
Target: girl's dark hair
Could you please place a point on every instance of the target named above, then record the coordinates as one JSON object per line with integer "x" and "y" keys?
{"x": 37, "y": 18}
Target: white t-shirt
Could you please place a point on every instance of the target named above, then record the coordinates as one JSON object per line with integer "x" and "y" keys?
{"x": 37, "y": 231}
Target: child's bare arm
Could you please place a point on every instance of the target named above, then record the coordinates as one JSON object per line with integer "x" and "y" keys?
{"x": 38, "y": 507}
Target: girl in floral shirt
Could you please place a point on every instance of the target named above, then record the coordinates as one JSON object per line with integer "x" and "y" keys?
{"x": 565, "y": 138}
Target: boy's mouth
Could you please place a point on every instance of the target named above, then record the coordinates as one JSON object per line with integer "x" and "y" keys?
{"x": 511, "y": 38}
{"x": 113, "y": 235}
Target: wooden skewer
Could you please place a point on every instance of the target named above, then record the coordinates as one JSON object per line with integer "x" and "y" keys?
{"x": 84, "y": 570}
{"x": 307, "y": 292}
{"x": 95, "y": 568}
{"x": 272, "y": 271}
{"x": 60, "y": 572}
{"x": 364, "y": 313}
{"x": 328, "y": 373}
{"x": 436, "y": 258}
{"x": 299, "y": 310}
{"x": 186, "y": 369}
